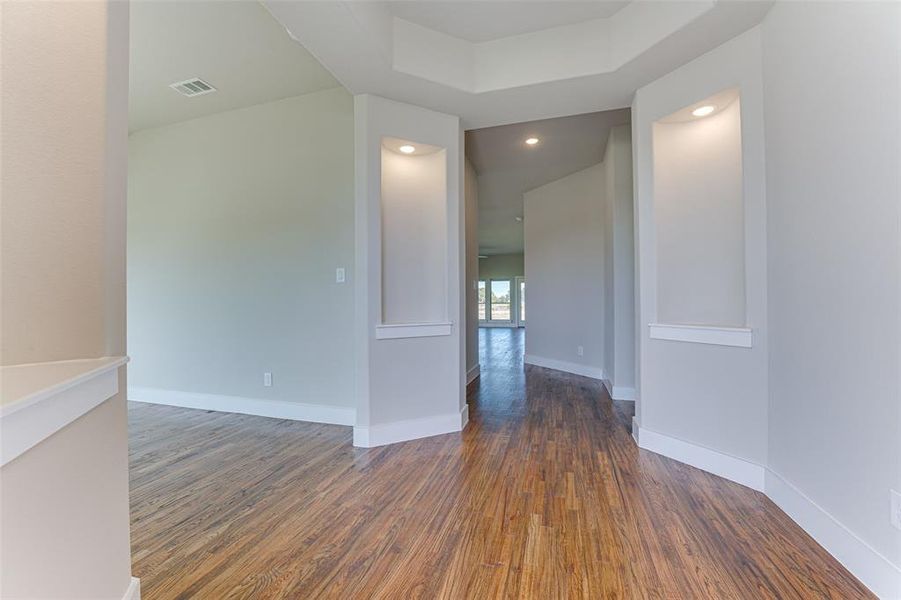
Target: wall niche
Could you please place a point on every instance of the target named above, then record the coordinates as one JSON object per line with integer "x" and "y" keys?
{"x": 699, "y": 214}
{"x": 414, "y": 275}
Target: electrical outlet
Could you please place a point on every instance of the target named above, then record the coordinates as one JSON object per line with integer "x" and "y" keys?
{"x": 267, "y": 379}
{"x": 896, "y": 509}
{"x": 339, "y": 275}
{"x": 580, "y": 350}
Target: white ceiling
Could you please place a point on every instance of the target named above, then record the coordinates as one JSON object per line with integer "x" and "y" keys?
{"x": 507, "y": 167}
{"x": 563, "y": 69}
{"x": 237, "y": 47}
{"x": 477, "y": 21}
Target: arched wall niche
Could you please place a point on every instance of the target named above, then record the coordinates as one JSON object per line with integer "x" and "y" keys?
{"x": 699, "y": 214}
{"x": 413, "y": 207}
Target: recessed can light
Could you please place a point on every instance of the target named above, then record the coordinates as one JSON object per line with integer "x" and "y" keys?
{"x": 703, "y": 111}
{"x": 532, "y": 141}
{"x": 407, "y": 149}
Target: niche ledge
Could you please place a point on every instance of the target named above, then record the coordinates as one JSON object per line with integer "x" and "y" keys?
{"x": 412, "y": 330}
{"x": 702, "y": 334}
{"x": 39, "y": 399}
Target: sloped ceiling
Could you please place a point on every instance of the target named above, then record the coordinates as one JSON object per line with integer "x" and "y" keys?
{"x": 238, "y": 47}
{"x": 507, "y": 167}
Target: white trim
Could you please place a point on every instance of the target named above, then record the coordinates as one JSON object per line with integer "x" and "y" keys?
{"x": 507, "y": 324}
{"x": 636, "y": 430}
{"x": 383, "y": 434}
{"x": 278, "y": 409}
{"x": 872, "y": 568}
{"x": 618, "y": 392}
{"x": 727, "y": 466}
{"x": 48, "y": 396}
{"x": 473, "y": 374}
{"x": 561, "y": 365}
{"x": 133, "y": 591}
{"x": 623, "y": 393}
{"x": 411, "y": 330}
{"x": 702, "y": 334}
{"x": 517, "y": 280}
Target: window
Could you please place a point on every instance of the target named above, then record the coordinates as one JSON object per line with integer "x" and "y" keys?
{"x": 497, "y": 301}
{"x": 482, "y": 301}
{"x": 500, "y": 300}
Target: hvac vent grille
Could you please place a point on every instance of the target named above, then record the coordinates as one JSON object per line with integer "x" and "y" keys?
{"x": 192, "y": 87}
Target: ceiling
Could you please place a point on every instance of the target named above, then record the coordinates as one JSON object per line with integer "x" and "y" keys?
{"x": 507, "y": 167}
{"x": 476, "y": 21}
{"x": 446, "y": 56}
{"x": 235, "y": 46}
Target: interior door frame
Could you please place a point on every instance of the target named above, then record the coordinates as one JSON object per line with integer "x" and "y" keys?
{"x": 519, "y": 279}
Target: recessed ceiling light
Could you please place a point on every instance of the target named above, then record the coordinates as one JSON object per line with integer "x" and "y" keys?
{"x": 518, "y": 219}
{"x": 532, "y": 141}
{"x": 407, "y": 149}
{"x": 703, "y": 111}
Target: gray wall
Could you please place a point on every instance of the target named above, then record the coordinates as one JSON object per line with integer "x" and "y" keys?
{"x": 833, "y": 135}
{"x": 619, "y": 265}
{"x": 405, "y": 383}
{"x": 502, "y": 266}
{"x": 236, "y": 224}
{"x": 564, "y": 256}
{"x": 712, "y": 396}
{"x": 471, "y": 210}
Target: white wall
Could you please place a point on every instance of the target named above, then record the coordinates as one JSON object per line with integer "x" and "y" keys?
{"x": 619, "y": 265}
{"x": 64, "y": 502}
{"x": 709, "y": 395}
{"x": 236, "y": 224}
{"x": 810, "y": 413}
{"x": 411, "y": 386}
{"x": 833, "y": 131}
{"x": 699, "y": 215}
{"x": 564, "y": 260}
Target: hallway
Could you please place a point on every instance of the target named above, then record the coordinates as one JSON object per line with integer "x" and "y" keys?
{"x": 544, "y": 495}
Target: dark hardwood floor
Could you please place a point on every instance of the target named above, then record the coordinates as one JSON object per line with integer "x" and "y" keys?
{"x": 544, "y": 495}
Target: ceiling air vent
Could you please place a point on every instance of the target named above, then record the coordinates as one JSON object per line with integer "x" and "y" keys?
{"x": 192, "y": 87}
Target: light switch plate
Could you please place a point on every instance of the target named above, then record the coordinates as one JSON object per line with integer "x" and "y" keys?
{"x": 339, "y": 275}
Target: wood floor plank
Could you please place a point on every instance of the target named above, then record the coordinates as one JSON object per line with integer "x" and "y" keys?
{"x": 545, "y": 495}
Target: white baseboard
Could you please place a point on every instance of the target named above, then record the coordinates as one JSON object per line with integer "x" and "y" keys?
{"x": 279, "y": 409}
{"x": 869, "y": 566}
{"x": 873, "y": 569}
{"x": 561, "y": 365}
{"x": 473, "y": 373}
{"x": 133, "y": 591}
{"x": 383, "y": 434}
{"x": 619, "y": 392}
{"x": 623, "y": 393}
{"x": 726, "y": 466}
